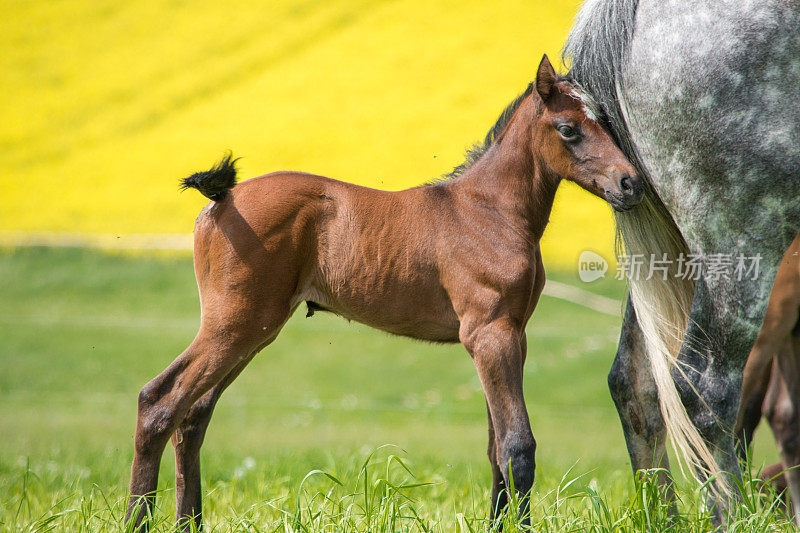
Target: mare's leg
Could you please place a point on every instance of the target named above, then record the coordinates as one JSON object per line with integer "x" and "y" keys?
{"x": 708, "y": 377}
{"x": 496, "y": 350}
{"x": 781, "y": 409}
{"x": 636, "y": 397}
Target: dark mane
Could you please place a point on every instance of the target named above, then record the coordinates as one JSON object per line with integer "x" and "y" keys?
{"x": 477, "y": 150}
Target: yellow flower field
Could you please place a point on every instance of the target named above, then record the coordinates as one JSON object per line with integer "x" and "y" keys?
{"x": 106, "y": 105}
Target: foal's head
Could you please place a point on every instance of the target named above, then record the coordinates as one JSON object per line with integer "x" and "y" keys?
{"x": 574, "y": 145}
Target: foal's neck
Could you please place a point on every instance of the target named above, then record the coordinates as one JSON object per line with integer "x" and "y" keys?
{"x": 512, "y": 177}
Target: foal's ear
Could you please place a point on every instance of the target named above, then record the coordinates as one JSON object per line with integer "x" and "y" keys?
{"x": 545, "y": 78}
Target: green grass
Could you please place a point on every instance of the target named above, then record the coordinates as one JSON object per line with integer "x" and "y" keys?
{"x": 82, "y": 331}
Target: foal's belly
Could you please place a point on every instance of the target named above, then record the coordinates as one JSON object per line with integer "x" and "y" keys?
{"x": 389, "y": 291}
{"x": 418, "y": 312}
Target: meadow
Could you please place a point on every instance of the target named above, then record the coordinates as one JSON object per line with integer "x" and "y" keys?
{"x": 82, "y": 331}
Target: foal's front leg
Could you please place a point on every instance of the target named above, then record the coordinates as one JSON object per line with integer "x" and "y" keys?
{"x": 499, "y": 495}
{"x": 496, "y": 350}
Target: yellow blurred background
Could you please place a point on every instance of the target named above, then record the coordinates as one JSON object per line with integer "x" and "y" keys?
{"x": 107, "y": 104}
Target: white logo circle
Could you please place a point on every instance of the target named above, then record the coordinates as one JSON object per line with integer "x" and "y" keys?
{"x": 591, "y": 266}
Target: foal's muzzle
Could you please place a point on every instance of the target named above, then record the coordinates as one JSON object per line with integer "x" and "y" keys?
{"x": 629, "y": 193}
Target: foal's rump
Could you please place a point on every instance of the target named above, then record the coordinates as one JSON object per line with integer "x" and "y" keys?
{"x": 251, "y": 246}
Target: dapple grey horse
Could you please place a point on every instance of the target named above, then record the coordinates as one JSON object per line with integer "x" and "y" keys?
{"x": 705, "y": 97}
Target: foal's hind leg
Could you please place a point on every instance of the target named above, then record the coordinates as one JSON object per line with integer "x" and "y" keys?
{"x": 754, "y": 390}
{"x": 165, "y": 401}
{"x": 636, "y": 397}
{"x": 782, "y": 315}
{"x": 187, "y": 440}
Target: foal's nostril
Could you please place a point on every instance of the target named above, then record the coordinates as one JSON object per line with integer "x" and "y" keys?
{"x": 631, "y": 189}
{"x": 626, "y": 184}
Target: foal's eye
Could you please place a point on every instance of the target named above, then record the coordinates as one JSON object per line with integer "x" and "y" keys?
{"x": 568, "y": 132}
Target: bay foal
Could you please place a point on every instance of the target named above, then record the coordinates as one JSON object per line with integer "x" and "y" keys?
{"x": 453, "y": 261}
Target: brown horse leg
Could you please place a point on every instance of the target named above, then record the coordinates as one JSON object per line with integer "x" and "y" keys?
{"x": 756, "y": 378}
{"x": 187, "y": 440}
{"x": 499, "y": 496}
{"x": 750, "y": 411}
{"x": 496, "y": 351}
{"x": 773, "y": 474}
{"x": 636, "y": 398}
{"x": 165, "y": 401}
{"x": 781, "y": 409}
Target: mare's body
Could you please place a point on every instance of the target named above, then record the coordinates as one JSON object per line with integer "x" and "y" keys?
{"x": 703, "y": 97}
